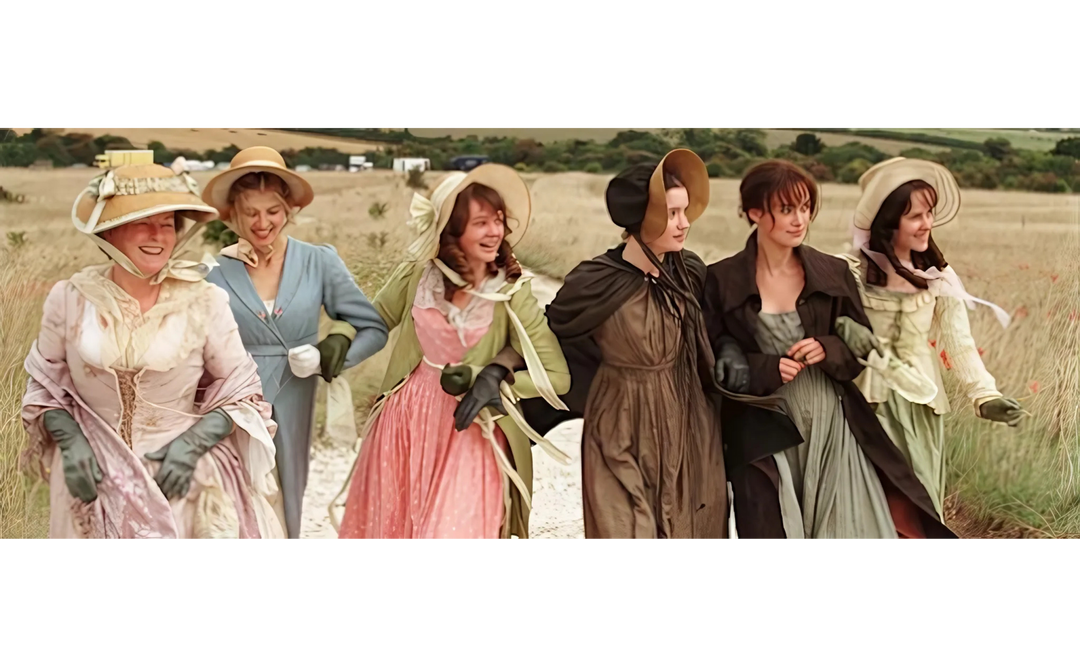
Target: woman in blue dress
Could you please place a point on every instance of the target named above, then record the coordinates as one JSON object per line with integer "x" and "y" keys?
{"x": 277, "y": 287}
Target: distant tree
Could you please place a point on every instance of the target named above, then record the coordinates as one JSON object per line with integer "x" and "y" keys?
{"x": 752, "y": 141}
{"x": 837, "y": 157}
{"x": 808, "y": 144}
{"x": 593, "y": 168}
{"x": 1069, "y": 147}
{"x": 998, "y": 147}
{"x": 114, "y": 143}
{"x": 919, "y": 153}
{"x": 18, "y": 154}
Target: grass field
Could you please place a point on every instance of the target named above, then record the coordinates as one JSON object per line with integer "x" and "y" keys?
{"x": 1034, "y": 140}
{"x": 1020, "y": 250}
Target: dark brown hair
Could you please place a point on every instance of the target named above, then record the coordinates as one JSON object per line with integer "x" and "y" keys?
{"x": 884, "y": 227}
{"x": 776, "y": 181}
{"x": 451, "y": 253}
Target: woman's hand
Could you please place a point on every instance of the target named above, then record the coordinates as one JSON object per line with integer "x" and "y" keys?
{"x": 807, "y": 351}
{"x": 789, "y": 369}
{"x": 1004, "y": 410}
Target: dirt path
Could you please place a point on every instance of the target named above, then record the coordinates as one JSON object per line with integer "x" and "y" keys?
{"x": 556, "y": 488}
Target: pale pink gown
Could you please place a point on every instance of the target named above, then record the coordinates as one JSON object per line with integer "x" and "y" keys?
{"x": 417, "y": 477}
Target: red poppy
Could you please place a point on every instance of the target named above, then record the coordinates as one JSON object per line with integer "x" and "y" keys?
{"x": 981, "y": 351}
{"x": 1053, "y": 278}
{"x": 945, "y": 360}
{"x": 1034, "y": 387}
{"x": 1024, "y": 267}
{"x": 1072, "y": 316}
{"x": 1021, "y": 312}
{"x": 933, "y": 343}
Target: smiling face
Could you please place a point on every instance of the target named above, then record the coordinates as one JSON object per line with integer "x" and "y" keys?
{"x": 259, "y": 207}
{"x": 260, "y": 216}
{"x": 787, "y": 221}
{"x": 913, "y": 231}
{"x": 483, "y": 234}
{"x": 148, "y": 243}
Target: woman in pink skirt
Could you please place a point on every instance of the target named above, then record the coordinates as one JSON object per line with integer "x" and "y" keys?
{"x": 430, "y": 465}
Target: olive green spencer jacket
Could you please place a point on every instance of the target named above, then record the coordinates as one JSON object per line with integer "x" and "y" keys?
{"x": 394, "y": 304}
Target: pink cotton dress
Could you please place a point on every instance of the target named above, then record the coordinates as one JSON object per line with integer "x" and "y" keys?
{"x": 417, "y": 477}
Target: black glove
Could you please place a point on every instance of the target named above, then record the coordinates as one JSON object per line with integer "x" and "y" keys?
{"x": 732, "y": 371}
{"x": 485, "y": 393}
{"x": 332, "y": 351}
{"x": 81, "y": 471}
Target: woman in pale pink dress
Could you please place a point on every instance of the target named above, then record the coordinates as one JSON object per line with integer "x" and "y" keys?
{"x": 429, "y": 465}
{"x": 144, "y": 411}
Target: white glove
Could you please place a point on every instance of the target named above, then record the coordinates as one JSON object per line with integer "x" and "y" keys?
{"x": 304, "y": 361}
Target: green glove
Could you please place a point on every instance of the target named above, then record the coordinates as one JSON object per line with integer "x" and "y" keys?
{"x": 1004, "y": 410}
{"x": 81, "y": 471}
{"x": 332, "y": 351}
{"x": 456, "y": 380}
{"x": 860, "y": 340}
{"x": 180, "y": 456}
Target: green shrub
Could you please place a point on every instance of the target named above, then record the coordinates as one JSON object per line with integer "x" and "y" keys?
{"x": 851, "y": 171}
{"x": 593, "y": 168}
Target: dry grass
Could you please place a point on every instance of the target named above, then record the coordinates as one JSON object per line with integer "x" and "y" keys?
{"x": 1025, "y": 476}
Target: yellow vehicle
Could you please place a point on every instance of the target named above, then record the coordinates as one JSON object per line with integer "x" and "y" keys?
{"x": 111, "y": 159}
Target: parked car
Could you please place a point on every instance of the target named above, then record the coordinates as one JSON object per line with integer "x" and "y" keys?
{"x": 469, "y": 162}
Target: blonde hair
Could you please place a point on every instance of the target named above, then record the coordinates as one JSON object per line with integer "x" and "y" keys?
{"x": 260, "y": 181}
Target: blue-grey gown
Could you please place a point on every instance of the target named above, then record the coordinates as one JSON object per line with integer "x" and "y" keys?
{"x": 313, "y": 276}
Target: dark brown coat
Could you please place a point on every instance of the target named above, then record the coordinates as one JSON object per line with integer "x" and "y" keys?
{"x": 731, "y": 304}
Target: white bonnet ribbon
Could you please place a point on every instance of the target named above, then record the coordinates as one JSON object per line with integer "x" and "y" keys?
{"x": 102, "y": 189}
{"x": 422, "y": 221}
{"x": 939, "y": 283}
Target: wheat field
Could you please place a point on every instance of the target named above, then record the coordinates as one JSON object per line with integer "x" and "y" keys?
{"x": 1019, "y": 250}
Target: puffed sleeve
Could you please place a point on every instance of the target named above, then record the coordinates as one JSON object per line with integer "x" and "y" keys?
{"x": 345, "y": 301}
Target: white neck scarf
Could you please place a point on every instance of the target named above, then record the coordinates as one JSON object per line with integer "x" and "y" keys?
{"x": 939, "y": 283}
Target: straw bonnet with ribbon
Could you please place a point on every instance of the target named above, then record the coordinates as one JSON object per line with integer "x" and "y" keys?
{"x": 428, "y": 217}
{"x": 880, "y": 181}
{"x": 134, "y": 192}
{"x": 254, "y": 160}
{"x": 637, "y": 198}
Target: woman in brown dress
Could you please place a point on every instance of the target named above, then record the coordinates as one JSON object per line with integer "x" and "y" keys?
{"x": 630, "y": 326}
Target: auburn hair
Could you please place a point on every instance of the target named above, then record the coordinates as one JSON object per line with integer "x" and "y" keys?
{"x": 884, "y": 228}
{"x": 777, "y": 182}
{"x": 450, "y": 251}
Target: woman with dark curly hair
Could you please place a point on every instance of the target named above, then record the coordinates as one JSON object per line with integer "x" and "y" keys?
{"x": 429, "y": 465}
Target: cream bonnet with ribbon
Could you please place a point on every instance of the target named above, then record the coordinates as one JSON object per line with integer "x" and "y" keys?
{"x": 428, "y": 217}
{"x": 135, "y": 192}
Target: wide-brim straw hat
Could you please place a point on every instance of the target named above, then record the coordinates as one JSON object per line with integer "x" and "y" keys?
{"x": 884, "y": 178}
{"x": 637, "y": 195}
{"x": 134, "y": 192}
{"x": 253, "y": 160}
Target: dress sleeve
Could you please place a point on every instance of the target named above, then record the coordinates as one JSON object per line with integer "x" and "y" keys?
{"x": 390, "y": 301}
{"x": 344, "y": 301}
{"x": 956, "y": 343}
{"x": 840, "y": 362}
{"x": 547, "y": 346}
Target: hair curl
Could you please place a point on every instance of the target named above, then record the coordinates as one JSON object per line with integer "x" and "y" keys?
{"x": 450, "y": 251}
